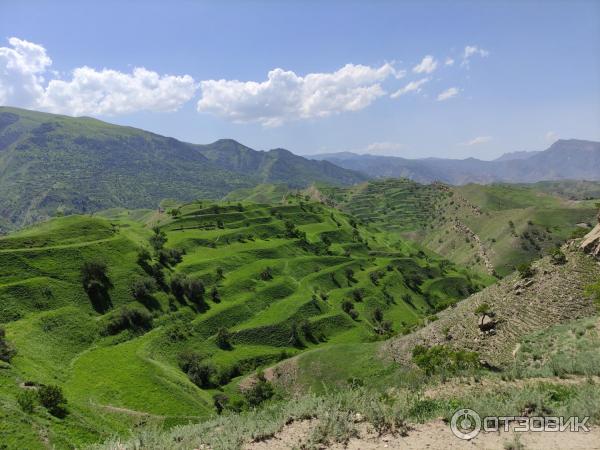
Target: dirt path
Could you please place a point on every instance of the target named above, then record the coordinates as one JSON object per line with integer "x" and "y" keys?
{"x": 436, "y": 435}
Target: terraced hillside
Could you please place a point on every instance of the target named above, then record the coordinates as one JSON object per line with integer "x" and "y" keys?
{"x": 150, "y": 316}
{"x": 491, "y": 228}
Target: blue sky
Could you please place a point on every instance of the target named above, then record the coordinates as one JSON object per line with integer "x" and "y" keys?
{"x": 353, "y": 76}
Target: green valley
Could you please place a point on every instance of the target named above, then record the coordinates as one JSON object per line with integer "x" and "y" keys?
{"x": 143, "y": 314}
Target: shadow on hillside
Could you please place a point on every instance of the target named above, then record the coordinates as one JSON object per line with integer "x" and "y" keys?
{"x": 100, "y": 299}
{"x": 150, "y": 302}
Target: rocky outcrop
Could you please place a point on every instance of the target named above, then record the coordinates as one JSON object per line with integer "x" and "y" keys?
{"x": 591, "y": 241}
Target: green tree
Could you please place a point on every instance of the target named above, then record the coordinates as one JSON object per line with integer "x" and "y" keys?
{"x": 223, "y": 339}
{"x": 52, "y": 398}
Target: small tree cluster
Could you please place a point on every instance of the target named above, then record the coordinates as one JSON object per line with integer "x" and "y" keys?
{"x": 52, "y": 398}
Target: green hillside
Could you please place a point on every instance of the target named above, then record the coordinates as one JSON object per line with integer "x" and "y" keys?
{"x": 490, "y": 228}
{"x": 52, "y": 165}
{"x": 220, "y": 290}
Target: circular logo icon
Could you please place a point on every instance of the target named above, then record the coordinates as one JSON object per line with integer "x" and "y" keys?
{"x": 465, "y": 424}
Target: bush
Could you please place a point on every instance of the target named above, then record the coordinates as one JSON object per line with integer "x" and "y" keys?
{"x": 223, "y": 339}
{"x": 170, "y": 256}
{"x": 142, "y": 288}
{"x": 178, "y": 285}
{"x": 441, "y": 359}
{"x": 158, "y": 239}
{"x": 525, "y": 270}
{"x": 51, "y": 397}
{"x": 7, "y": 351}
{"x": 557, "y": 256}
{"x": 194, "y": 290}
{"x": 260, "y": 392}
{"x": 199, "y": 372}
{"x": 220, "y": 401}
{"x": 128, "y": 318}
{"x": 266, "y": 274}
{"x": 27, "y": 399}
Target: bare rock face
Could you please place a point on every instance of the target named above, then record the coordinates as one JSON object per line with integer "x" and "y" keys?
{"x": 591, "y": 241}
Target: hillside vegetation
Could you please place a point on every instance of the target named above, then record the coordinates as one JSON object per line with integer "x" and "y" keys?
{"x": 142, "y": 316}
{"x": 491, "y": 228}
{"x": 52, "y": 165}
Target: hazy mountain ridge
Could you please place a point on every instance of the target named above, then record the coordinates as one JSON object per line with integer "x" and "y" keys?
{"x": 565, "y": 159}
{"x": 52, "y": 164}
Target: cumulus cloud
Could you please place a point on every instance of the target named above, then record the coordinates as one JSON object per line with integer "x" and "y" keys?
{"x": 477, "y": 141}
{"x": 286, "y": 96}
{"x": 473, "y": 50}
{"x": 447, "y": 94}
{"x": 449, "y": 61}
{"x": 111, "y": 92}
{"x": 89, "y": 91}
{"x": 427, "y": 65}
{"x": 413, "y": 86}
{"x": 21, "y": 72}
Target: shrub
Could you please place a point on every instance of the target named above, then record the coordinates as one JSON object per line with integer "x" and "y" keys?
{"x": 260, "y": 391}
{"x": 441, "y": 359}
{"x": 7, "y": 351}
{"x": 525, "y": 270}
{"x": 94, "y": 274}
{"x": 158, "y": 239}
{"x": 27, "y": 399}
{"x": 199, "y": 372}
{"x": 220, "y": 402}
{"x": 483, "y": 309}
{"x": 223, "y": 339}
{"x": 347, "y": 306}
{"x": 266, "y": 274}
{"x": 170, "y": 256}
{"x": 142, "y": 288}
{"x": 178, "y": 285}
{"x": 557, "y": 256}
{"x": 194, "y": 291}
{"x": 51, "y": 397}
{"x": 295, "y": 339}
{"x": 214, "y": 294}
{"x": 128, "y": 318}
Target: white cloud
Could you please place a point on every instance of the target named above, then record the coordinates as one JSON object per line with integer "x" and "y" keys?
{"x": 478, "y": 140}
{"x": 427, "y": 65}
{"x": 383, "y": 148}
{"x": 110, "y": 92}
{"x": 449, "y": 61}
{"x": 22, "y": 70}
{"x": 286, "y": 96}
{"x": 551, "y": 136}
{"x": 473, "y": 50}
{"x": 447, "y": 94}
{"x": 413, "y": 86}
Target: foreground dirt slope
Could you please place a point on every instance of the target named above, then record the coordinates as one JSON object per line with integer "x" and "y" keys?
{"x": 553, "y": 295}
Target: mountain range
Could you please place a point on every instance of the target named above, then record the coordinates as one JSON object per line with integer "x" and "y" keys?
{"x": 53, "y": 164}
{"x": 565, "y": 159}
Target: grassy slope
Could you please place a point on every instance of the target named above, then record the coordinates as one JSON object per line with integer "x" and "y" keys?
{"x": 112, "y": 381}
{"x": 471, "y": 224}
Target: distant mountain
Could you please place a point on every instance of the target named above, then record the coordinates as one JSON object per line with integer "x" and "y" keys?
{"x": 565, "y": 159}
{"x": 510, "y": 156}
{"x": 53, "y": 164}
